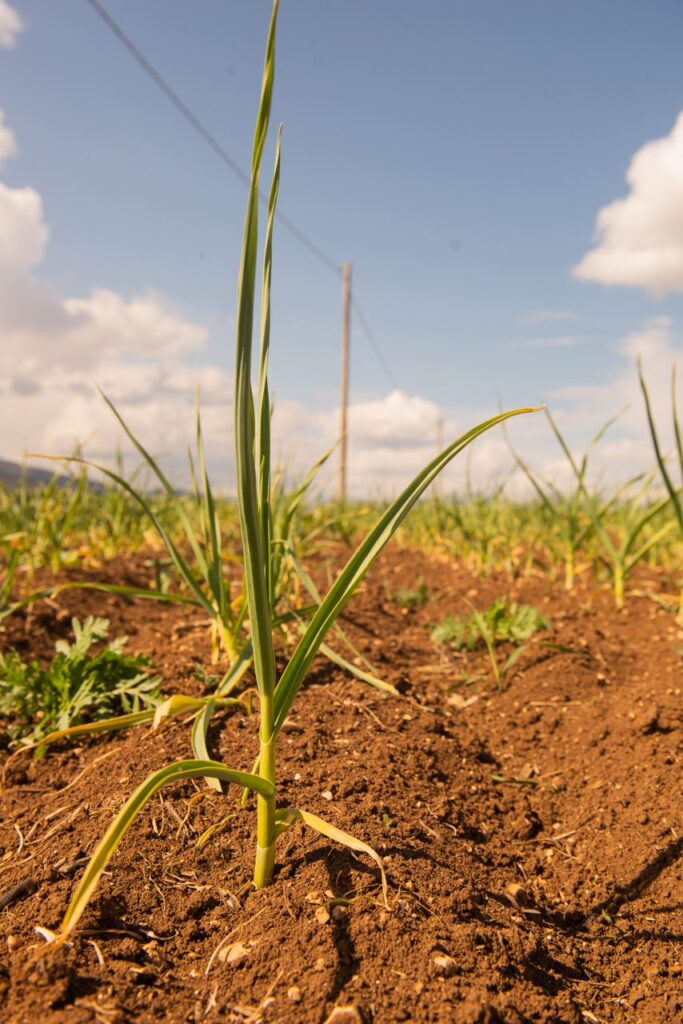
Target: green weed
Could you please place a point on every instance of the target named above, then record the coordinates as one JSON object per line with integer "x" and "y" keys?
{"x": 78, "y": 686}
{"x": 408, "y": 597}
{"x": 501, "y": 622}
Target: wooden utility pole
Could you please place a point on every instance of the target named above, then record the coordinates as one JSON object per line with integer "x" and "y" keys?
{"x": 346, "y": 331}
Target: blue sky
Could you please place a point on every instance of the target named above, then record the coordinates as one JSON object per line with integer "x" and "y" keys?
{"x": 457, "y": 153}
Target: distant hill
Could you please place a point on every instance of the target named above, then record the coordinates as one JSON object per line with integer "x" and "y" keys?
{"x": 11, "y": 474}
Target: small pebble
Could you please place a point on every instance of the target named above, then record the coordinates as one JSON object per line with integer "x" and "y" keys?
{"x": 322, "y": 915}
{"x": 344, "y": 1015}
{"x": 232, "y": 954}
{"x": 445, "y": 965}
{"x": 294, "y": 994}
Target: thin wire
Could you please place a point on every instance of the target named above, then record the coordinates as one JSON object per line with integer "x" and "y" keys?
{"x": 221, "y": 152}
{"x": 205, "y": 134}
{"x": 370, "y": 338}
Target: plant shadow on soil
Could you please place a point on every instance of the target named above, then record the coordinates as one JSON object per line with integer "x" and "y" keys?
{"x": 529, "y": 836}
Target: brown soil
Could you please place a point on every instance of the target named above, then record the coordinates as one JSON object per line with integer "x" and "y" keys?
{"x": 531, "y": 837}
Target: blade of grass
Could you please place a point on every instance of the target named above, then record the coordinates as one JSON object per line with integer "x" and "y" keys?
{"x": 125, "y": 591}
{"x": 360, "y": 562}
{"x": 339, "y": 632}
{"x": 200, "y": 728}
{"x": 179, "y": 770}
{"x": 165, "y": 483}
{"x": 175, "y": 705}
{"x": 247, "y": 490}
{"x": 236, "y": 671}
{"x": 177, "y": 559}
{"x": 512, "y": 660}
{"x": 180, "y": 703}
{"x": 676, "y": 422}
{"x": 264, "y": 410}
{"x": 215, "y": 576}
{"x": 255, "y": 557}
{"x": 647, "y": 545}
{"x": 661, "y": 462}
{"x": 283, "y": 515}
{"x": 359, "y": 673}
{"x": 490, "y": 645}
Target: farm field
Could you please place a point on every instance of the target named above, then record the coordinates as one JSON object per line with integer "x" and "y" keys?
{"x": 529, "y": 833}
{"x": 267, "y": 757}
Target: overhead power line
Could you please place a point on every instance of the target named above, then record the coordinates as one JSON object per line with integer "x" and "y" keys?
{"x": 204, "y": 133}
{"x": 234, "y": 166}
{"x": 370, "y": 338}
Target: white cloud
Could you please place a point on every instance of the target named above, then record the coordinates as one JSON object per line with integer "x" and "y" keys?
{"x": 398, "y": 421}
{"x": 10, "y": 25}
{"x": 8, "y": 142}
{"x": 23, "y": 233}
{"x": 147, "y": 326}
{"x": 657, "y": 345}
{"x": 640, "y": 238}
{"x": 581, "y": 411}
{"x": 389, "y": 440}
{"x": 55, "y": 349}
{"x": 39, "y": 327}
{"x": 157, "y": 403}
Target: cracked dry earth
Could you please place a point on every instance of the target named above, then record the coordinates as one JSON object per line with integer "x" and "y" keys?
{"x": 531, "y": 837}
